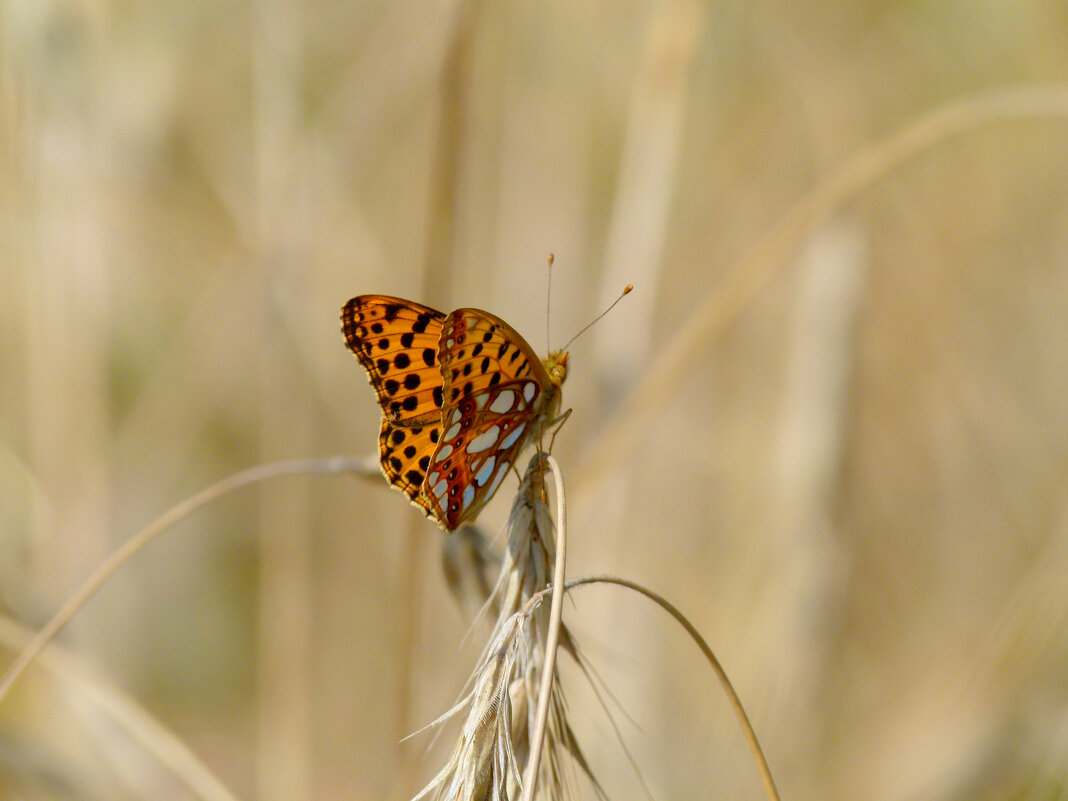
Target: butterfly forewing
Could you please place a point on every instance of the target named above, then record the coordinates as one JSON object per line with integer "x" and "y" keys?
{"x": 396, "y": 341}
{"x": 479, "y": 350}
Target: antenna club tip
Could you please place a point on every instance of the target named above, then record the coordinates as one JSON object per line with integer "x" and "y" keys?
{"x": 628, "y": 289}
{"x": 550, "y": 258}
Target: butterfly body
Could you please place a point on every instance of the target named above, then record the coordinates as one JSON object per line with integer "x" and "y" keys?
{"x": 461, "y": 394}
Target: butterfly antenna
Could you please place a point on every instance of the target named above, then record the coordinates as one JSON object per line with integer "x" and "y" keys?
{"x": 548, "y": 301}
{"x": 626, "y": 291}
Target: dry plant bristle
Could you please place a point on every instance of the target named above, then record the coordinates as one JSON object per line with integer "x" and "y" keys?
{"x": 495, "y": 739}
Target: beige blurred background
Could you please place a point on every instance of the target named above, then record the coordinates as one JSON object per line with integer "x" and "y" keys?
{"x": 830, "y": 424}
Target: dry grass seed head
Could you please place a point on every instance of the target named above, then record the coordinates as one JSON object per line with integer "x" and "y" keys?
{"x": 494, "y": 741}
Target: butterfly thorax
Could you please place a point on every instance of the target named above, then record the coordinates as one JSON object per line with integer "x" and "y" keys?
{"x": 555, "y": 365}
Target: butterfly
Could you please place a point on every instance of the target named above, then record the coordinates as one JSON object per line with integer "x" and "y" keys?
{"x": 461, "y": 394}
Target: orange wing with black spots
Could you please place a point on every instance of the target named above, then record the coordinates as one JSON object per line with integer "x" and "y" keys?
{"x": 405, "y": 454}
{"x": 496, "y": 394}
{"x": 396, "y": 341}
{"x": 460, "y": 396}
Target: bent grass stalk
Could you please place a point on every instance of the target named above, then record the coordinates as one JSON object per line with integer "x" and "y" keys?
{"x": 123, "y": 713}
{"x": 717, "y": 668}
{"x": 176, "y": 514}
{"x": 756, "y": 268}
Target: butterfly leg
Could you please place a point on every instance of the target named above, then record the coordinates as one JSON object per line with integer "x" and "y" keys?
{"x": 559, "y": 423}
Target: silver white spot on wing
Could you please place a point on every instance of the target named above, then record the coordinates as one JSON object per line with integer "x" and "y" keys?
{"x": 484, "y": 440}
{"x": 443, "y": 453}
{"x": 509, "y": 441}
{"x": 503, "y": 402}
{"x": 486, "y": 471}
{"x": 529, "y": 390}
{"x": 454, "y": 429}
{"x": 469, "y": 495}
{"x": 439, "y": 490}
{"x": 502, "y": 471}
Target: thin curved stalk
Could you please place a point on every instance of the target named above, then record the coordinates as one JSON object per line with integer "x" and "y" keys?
{"x": 755, "y": 270}
{"x": 537, "y": 737}
{"x": 721, "y": 674}
{"x": 176, "y": 514}
{"x": 123, "y": 713}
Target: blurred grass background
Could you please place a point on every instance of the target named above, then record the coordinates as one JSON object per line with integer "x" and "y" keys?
{"x": 838, "y": 442}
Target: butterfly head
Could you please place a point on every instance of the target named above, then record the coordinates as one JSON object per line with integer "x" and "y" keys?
{"x": 556, "y": 366}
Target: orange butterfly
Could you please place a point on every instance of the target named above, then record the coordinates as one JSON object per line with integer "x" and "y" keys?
{"x": 460, "y": 393}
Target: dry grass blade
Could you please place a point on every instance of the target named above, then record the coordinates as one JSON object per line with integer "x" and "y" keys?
{"x": 119, "y": 713}
{"x": 755, "y": 270}
{"x": 721, "y": 674}
{"x": 176, "y": 514}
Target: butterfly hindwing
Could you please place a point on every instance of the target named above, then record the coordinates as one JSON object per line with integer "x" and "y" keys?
{"x": 396, "y": 341}
{"x": 405, "y": 454}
